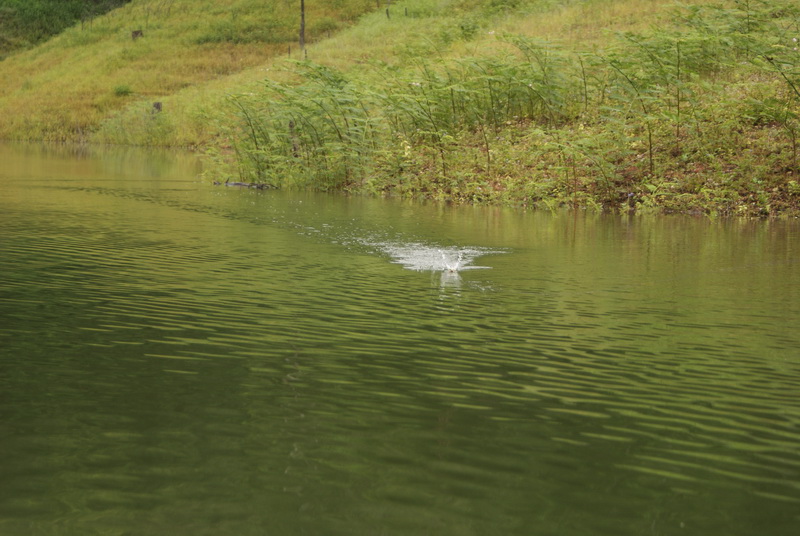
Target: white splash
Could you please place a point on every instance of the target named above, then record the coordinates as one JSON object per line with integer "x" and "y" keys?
{"x": 424, "y": 257}
{"x": 451, "y": 266}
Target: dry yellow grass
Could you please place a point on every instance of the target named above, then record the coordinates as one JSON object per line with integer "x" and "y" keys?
{"x": 589, "y": 23}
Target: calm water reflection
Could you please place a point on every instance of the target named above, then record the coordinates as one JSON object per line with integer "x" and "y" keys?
{"x": 179, "y": 358}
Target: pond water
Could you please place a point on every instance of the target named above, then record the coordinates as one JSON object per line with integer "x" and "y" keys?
{"x": 183, "y": 358}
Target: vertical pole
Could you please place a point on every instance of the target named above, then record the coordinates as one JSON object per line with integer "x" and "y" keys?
{"x": 303, "y": 25}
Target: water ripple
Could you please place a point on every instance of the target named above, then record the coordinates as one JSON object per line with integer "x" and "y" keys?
{"x": 199, "y": 354}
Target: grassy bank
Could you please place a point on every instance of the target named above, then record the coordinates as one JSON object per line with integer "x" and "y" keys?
{"x": 699, "y": 115}
{"x": 611, "y": 104}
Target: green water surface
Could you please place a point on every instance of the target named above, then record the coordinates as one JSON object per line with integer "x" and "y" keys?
{"x": 188, "y": 359}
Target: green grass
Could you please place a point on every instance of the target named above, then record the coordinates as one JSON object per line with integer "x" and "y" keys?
{"x": 24, "y": 23}
{"x": 697, "y": 116}
{"x": 64, "y": 89}
{"x": 194, "y": 52}
{"x": 607, "y": 104}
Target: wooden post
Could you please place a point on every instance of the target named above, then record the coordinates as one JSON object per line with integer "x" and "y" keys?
{"x": 302, "y": 25}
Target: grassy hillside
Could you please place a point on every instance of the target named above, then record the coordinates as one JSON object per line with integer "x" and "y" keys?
{"x": 27, "y": 22}
{"x": 194, "y": 52}
{"x": 64, "y": 88}
{"x": 620, "y": 104}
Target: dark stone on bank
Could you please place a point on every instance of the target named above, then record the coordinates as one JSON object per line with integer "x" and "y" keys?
{"x": 255, "y": 185}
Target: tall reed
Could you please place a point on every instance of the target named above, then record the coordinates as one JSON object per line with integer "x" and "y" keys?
{"x": 636, "y": 123}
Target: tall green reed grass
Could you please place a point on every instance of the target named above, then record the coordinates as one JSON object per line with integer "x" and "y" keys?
{"x": 632, "y": 123}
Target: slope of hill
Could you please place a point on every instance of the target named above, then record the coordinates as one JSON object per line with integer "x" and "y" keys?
{"x": 619, "y": 104}
{"x": 63, "y": 88}
{"x": 193, "y": 52}
{"x": 24, "y": 23}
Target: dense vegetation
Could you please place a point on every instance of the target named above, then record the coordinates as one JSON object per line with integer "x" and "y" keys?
{"x": 702, "y": 115}
{"x": 27, "y": 22}
{"x": 603, "y": 103}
